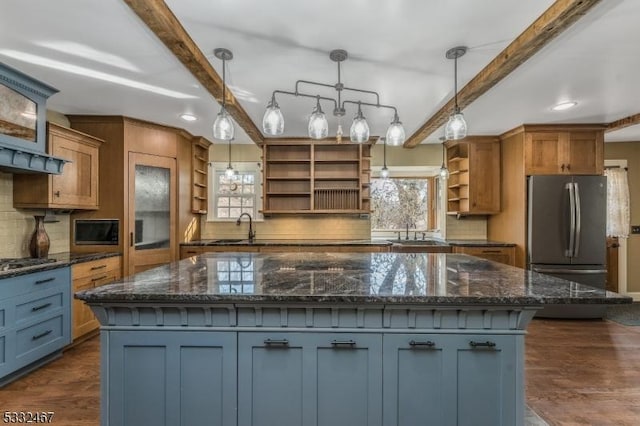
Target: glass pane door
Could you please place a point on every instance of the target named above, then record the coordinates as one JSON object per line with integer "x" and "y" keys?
{"x": 152, "y": 207}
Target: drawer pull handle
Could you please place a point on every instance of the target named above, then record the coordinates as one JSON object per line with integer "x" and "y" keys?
{"x": 98, "y": 267}
{"x": 47, "y": 280}
{"x": 276, "y": 342}
{"x": 41, "y": 335}
{"x": 37, "y": 308}
{"x": 98, "y": 278}
{"x": 337, "y": 343}
{"x": 486, "y": 344}
{"x": 427, "y": 344}
{"x": 492, "y": 251}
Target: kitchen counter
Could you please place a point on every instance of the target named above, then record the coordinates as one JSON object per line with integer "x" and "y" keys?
{"x": 231, "y": 242}
{"x": 346, "y": 278}
{"x": 359, "y": 339}
{"x": 57, "y": 260}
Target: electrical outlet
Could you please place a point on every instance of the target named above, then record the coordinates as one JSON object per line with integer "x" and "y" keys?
{"x": 635, "y": 229}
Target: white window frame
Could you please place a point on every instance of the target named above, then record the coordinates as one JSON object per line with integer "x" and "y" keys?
{"x": 244, "y": 167}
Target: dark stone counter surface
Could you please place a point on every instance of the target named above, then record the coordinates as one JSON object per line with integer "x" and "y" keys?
{"x": 57, "y": 260}
{"x": 376, "y": 243}
{"x": 345, "y": 278}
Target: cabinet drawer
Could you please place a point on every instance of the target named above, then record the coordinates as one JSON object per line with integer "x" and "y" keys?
{"x": 31, "y": 339}
{"x": 190, "y": 251}
{"x": 96, "y": 267}
{"x": 35, "y": 281}
{"x": 34, "y": 307}
{"x": 95, "y": 281}
{"x": 504, "y": 255}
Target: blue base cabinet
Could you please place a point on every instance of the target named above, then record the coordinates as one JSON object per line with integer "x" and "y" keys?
{"x": 320, "y": 379}
{"x": 452, "y": 380}
{"x": 311, "y": 365}
{"x": 35, "y": 320}
{"x": 169, "y": 378}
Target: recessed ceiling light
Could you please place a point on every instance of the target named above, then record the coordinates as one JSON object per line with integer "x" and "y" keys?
{"x": 564, "y": 105}
{"x": 188, "y": 117}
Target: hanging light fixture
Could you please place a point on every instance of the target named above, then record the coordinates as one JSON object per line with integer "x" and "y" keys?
{"x": 318, "y": 125}
{"x": 444, "y": 171}
{"x": 229, "y": 172}
{"x": 456, "y": 127}
{"x": 273, "y": 120}
{"x": 384, "y": 172}
{"x": 223, "y": 126}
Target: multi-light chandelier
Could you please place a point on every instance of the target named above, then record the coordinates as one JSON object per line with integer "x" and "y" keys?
{"x": 318, "y": 127}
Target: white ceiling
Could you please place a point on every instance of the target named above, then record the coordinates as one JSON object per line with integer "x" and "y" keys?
{"x": 100, "y": 56}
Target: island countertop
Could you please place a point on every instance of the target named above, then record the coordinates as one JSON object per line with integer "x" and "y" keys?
{"x": 384, "y": 278}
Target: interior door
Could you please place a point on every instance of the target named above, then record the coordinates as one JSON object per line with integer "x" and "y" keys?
{"x": 152, "y": 211}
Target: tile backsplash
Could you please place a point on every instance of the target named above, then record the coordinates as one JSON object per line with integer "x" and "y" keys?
{"x": 16, "y": 226}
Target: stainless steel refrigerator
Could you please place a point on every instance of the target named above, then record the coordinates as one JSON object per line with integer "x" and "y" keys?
{"x": 566, "y": 234}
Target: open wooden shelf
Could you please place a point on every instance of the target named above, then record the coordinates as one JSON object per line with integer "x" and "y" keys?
{"x": 199, "y": 177}
{"x": 316, "y": 177}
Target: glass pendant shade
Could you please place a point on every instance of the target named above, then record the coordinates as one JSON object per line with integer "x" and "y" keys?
{"x": 456, "y": 127}
{"x": 384, "y": 172}
{"x": 359, "y": 128}
{"x": 395, "y": 133}
{"x": 223, "y": 126}
{"x": 229, "y": 172}
{"x": 273, "y": 121}
{"x": 444, "y": 172}
{"x": 318, "y": 124}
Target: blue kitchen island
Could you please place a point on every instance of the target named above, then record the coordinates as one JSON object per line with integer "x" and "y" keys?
{"x": 323, "y": 339}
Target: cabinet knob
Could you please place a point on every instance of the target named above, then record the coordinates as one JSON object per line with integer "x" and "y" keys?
{"x": 562, "y": 167}
{"x": 57, "y": 193}
{"x": 568, "y": 167}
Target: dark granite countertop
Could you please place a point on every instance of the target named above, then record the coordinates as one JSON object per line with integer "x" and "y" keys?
{"x": 375, "y": 243}
{"x": 232, "y": 242}
{"x": 384, "y": 278}
{"x": 57, "y": 260}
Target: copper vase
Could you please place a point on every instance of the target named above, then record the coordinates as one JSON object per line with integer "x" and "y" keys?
{"x": 39, "y": 244}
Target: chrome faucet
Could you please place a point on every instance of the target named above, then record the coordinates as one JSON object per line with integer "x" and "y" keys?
{"x": 252, "y": 233}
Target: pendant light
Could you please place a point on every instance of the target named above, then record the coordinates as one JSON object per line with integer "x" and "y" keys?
{"x": 456, "y": 127}
{"x": 223, "y": 126}
{"x": 395, "y": 132}
{"x": 384, "y": 172}
{"x": 273, "y": 121}
{"x": 318, "y": 124}
{"x": 444, "y": 171}
{"x": 229, "y": 172}
{"x": 359, "y": 128}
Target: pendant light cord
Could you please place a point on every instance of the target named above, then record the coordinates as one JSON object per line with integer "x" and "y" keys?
{"x": 384, "y": 152}
{"x": 224, "y": 84}
{"x": 455, "y": 81}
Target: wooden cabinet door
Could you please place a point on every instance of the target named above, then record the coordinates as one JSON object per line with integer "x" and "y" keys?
{"x": 545, "y": 153}
{"x": 78, "y": 184}
{"x": 484, "y": 179}
{"x": 299, "y": 379}
{"x": 585, "y": 153}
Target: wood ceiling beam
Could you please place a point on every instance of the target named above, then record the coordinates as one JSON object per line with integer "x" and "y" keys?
{"x": 623, "y": 122}
{"x": 557, "y": 18}
{"x": 164, "y": 24}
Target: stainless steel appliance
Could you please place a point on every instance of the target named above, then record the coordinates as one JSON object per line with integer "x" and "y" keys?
{"x": 567, "y": 235}
{"x": 96, "y": 231}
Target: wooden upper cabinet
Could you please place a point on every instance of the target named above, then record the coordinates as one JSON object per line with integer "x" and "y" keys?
{"x": 311, "y": 177}
{"x": 564, "y": 152}
{"x": 474, "y": 181}
{"x": 76, "y": 187}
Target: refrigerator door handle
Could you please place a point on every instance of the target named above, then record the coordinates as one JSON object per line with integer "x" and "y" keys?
{"x": 568, "y": 271}
{"x": 572, "y": 219}
{"x": 576, "y": 245}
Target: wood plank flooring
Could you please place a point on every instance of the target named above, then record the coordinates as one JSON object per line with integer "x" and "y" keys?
{"x": 577, "y": 373}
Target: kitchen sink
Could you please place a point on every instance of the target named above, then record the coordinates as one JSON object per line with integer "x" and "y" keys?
{"x": 228, "y": 240}
{"x": 419, "y": 242}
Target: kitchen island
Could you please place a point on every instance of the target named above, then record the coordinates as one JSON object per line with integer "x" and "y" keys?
{"x": 322, "y": 339}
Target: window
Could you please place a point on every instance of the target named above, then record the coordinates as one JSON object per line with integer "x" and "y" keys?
{"x": 398, "y": 202}
{"x": 232, "y": 196}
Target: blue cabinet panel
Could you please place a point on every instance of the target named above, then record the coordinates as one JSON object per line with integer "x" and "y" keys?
{"x": 319, "y": 379}
{"x": 414, "y": 383}
{"x": 169, "y": 378}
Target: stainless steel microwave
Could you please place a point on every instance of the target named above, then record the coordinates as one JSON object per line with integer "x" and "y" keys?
{"x": 96, "y": 232}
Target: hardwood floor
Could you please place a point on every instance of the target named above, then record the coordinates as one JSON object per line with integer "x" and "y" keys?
{"x": 583, "y": 372}
{"x": 577, "y": 373}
